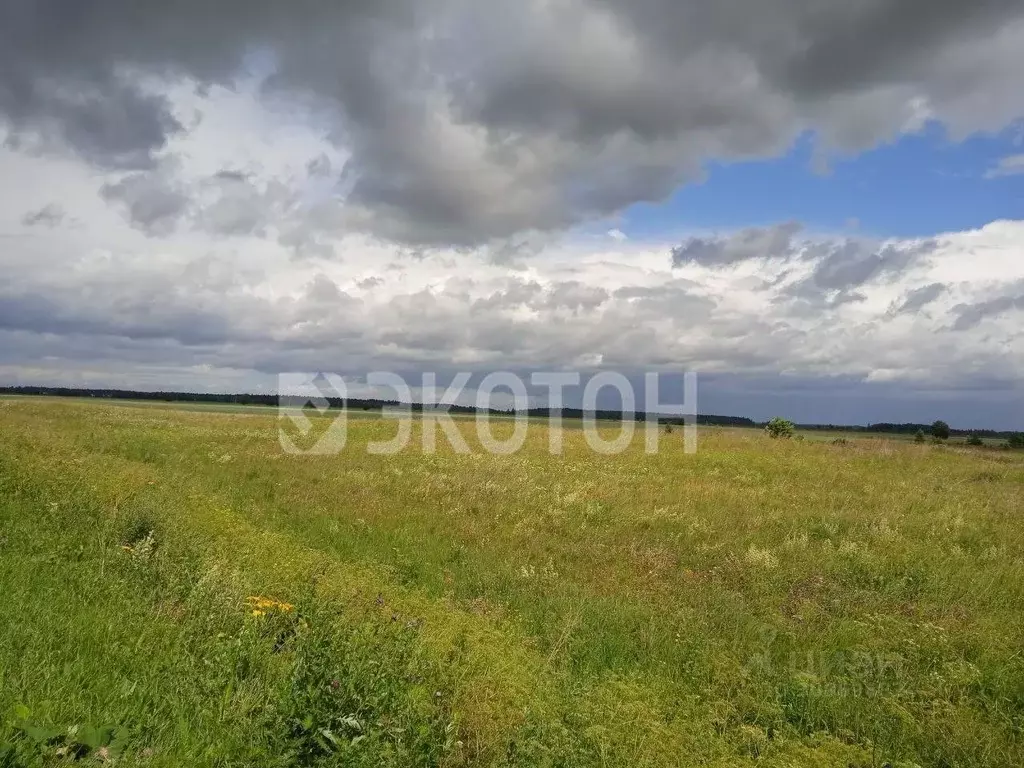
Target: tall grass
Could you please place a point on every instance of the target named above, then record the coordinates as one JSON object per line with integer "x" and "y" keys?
{"x": 778, "y": 602}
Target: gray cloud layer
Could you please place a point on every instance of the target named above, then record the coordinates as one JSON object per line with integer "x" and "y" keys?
{"x": 970, "y": 315}
{"x": 919, "y": 298}
{"x": 838, "y": 265}
{"x": 50, "y": 215}
{"x": 769, "y": 242}
{"x": 468, "y": 122}
{"x": 153, "y": 203}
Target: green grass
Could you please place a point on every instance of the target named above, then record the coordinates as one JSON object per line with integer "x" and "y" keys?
{"x": 777, "y": 603}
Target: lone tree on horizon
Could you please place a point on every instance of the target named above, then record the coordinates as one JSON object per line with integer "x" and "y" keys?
{"x": 780, "y": 427}
{"x": 940, "y": 430}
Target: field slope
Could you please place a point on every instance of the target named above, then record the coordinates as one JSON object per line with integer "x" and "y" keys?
{"x": 176, "y": 591}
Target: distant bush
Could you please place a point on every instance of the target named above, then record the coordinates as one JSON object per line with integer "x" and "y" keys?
{"x": 780, "y": 428}
{"x": 919, "y": 436}
{"x": 940, "y": 430}
{"x": 1016, "y": 440}
{"x": 974, "y": 440}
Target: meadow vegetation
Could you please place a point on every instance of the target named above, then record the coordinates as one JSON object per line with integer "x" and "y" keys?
{"x": 177, "y": 591}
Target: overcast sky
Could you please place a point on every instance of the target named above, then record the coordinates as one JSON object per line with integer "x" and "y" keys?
{"x": 816, "y": 205}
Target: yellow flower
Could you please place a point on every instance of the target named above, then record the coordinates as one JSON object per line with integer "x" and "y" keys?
{"x": 260, "y": 606}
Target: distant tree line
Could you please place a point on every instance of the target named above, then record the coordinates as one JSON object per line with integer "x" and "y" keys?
{"x": 372, "y": 404}
{"x": 908, "y": 429}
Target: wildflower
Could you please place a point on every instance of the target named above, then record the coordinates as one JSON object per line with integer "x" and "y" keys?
{"x": 261, "y": 606}
{"x": 761, "y": 557}
{"x": 142, "y": 549}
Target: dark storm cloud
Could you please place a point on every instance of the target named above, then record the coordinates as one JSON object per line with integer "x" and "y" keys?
{"x": 822, "y": 53}
{"x": 69, "y": 71}
{"x": 60, "y": 80}
{"x": 469, "y": 122}
{"x": 851, "y": 45}
{"x": 109, "y": 123}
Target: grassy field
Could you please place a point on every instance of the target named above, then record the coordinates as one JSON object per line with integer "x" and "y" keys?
{"x": 177, "y": 591}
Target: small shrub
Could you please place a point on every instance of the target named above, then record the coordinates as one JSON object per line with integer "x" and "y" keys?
{"x": 780, "y": 428}
{"x": 136, "y": 529}
{"x": 974, "y": 440}
{"x": 919, "y": 436}
{"x": 1016, "y": 440}
{"x": 940, "y": 430}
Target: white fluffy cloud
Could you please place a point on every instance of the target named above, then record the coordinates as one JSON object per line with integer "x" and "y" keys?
{"x": 1011, "y": 165}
